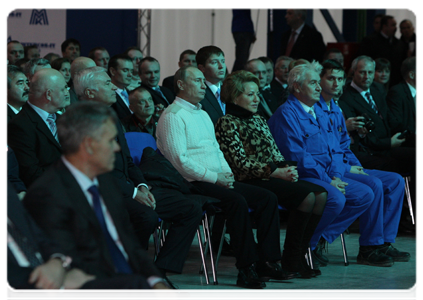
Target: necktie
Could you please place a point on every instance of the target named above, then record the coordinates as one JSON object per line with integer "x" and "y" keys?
{"x": 371, "y": 102}
{"x": 291, "y": 43}
{"x": 265, "y": 106}
{"x": 51, "y": 120}
{"x": 119, "y": 260}
{"x": 125, "y": 96}
{"x": 417, "y": 104}
{"x": 29, "y": 250}
{"x": 222, "y": 105}
{"x": 311, "y": 112}
{"x": 157, "y": 89}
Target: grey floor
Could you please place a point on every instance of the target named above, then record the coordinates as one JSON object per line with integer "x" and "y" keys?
{"x": 335, "y": 276}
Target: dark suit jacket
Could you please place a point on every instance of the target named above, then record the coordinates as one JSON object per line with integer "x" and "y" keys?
{"x": 309, "y": 44}
{"x": 10, "y": 114}
{"x": 379, "y": 139}
{"x": 157, "y": 98}
{"x": 121, "y": 108}
{"x": 403, "y": 108}
{"x": 13, "y": 171}
{"x": 168, "y": 83}
{"x": 211, "y": 106}
{"x": 278, "y": 90}
{"x": 272, "y": 100}
{"x": 17, "y": 276}
{"x": 34, "y": 145}
{"x": 59, "y": 206}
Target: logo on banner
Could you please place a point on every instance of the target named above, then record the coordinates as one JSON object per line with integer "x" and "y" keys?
{"x": 38, "y": 17}
{"x": 15, "y": 14}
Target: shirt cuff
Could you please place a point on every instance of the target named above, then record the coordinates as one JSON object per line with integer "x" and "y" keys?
{"x": 136, "y": 189}
{"x": 153, "y": 280}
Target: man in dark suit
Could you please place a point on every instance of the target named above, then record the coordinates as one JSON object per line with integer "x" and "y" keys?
{"x": 279, "y": 84}
{"x": 120, "y": 71}
{"x": 149, "y": 71}
{"x": 401, "y": 101}
{"x": 143, "y": 203}
{"x": 17, "y": 91}
{"x": 33, "y": 133}
{"x": 301, "y": 41}
{"x": 81, "y": 208}
{"x": 187, "y": 58}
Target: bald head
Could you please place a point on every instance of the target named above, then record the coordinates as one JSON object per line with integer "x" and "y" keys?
{"x": 80, "y": 64}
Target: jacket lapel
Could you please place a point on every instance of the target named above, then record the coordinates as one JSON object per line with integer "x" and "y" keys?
{"x": 209, "y": 97}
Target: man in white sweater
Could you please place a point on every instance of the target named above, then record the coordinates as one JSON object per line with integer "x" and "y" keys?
{"x": 186, "y": 137}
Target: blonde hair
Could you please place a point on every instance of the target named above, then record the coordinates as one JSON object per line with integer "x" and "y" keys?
{"x": 233, "y": 85}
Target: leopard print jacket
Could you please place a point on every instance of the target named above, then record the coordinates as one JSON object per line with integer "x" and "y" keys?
{"x": 247, "y": 144}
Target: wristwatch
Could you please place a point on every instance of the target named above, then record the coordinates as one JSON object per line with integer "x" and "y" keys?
{"x": 66, "y": 260}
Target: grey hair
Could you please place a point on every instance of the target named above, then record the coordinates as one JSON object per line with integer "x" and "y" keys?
{"x": 12, "y": 72}
{"x": 281, "y": 58}
{"x": 358, "y": 59}
{"x": 85, "y": 79}
{"x": 29, "y": 68}
{"x": 298, "y": 73}
{"x": 80, "y": 120}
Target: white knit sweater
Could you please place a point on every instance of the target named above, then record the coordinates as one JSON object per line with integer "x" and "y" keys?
{"x": 185, "y": 136}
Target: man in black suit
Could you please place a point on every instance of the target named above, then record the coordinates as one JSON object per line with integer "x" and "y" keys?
{"x": 120, "y": 71}
{"x": 32, "y": 134}
{"x": 301, "y": 41}
{"x": 143, "y": 203}
{"x": 149, "y": 71}
{"x": 187, "y": 58}
{"x": 17, "y": 91}
{"x": 211, "y": 61}
{"x": 279, "y": 84}
{"x": 81, "y": 208}
{"x": 401, "y": 101}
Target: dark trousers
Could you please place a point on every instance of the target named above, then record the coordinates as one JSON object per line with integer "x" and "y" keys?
{"x": 128, "y": 287}
{"x": 234, "y": 204}
{"x": 183, "y": 211}
{"x": 243, "y": 41}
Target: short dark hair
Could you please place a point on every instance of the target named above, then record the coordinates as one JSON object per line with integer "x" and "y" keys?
{"x": 204, "y": 53}
{"x": 91, "y": 54}
{"x": 57, "y": 63}
{"x": 13, "y": 42}
{"x": 80, "y": 120}
{"x": 266, "y": 59}
{"x": 67, "y": 42}
{"x": 382, "y": 64}
{"x": 384, "y": 20}
{"x": 147, "y": 58}
{"x": 113, "y": 62}
{"x": 12, "y": 71}
{"x": 138, "y": 89}
{"x": 133, "y": 48}
{"x": 408, "y": 65}
{"x": 330, "y": 51}
{"x": 331, "y": 64}
{"x": 26, "y": 48}
{"x": 188, "y": 51}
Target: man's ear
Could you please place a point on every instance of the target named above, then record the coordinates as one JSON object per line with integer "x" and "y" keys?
{"x": 180, "y": 84}
{"x": 201, "y": 68}
{"x": 411, "y": 74}
{"x": 48, "y": 95}
{"x": 89, "y": 93}
{"x": 296, "y": 87}
{"x": 112, "y": 71}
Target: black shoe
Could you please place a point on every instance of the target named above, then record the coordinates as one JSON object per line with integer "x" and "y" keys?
{"x": 372, "y": 256}
{"x": 178, "y": 292}
{"x": 272, "y": 270}
{"x": 248, "y": 278}
{"x": 318, "y": 252}
{"x": 393, "y": 252}
{"x": 318, "y": 260}
{"x": 311, "y": 272}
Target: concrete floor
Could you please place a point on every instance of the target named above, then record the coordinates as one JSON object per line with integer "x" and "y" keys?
{"x": 336, "y": 276}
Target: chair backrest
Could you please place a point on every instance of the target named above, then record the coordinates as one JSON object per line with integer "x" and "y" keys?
{"x": 137, "y": 141}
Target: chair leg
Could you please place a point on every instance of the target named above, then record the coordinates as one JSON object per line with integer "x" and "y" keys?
{"x": 344, "y": 249}
{"x": 158, "y": 242}
{"x": 222, "y": 239}
{"x": 309, "y": 258}
{"x": 211, "y": 250}
{"x": 203, "y": 258}
{"x": 407, "y": 193}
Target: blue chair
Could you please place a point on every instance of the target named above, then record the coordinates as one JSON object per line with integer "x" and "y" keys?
{"x": 137, "y": 141}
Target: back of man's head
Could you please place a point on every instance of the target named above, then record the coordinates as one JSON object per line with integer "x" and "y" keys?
{"x": 204, "y": 53}
{"x": 32, "y": 64}
{"x": 81, "y": 63}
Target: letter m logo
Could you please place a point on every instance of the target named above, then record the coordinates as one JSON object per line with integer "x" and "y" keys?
{"x": 38, "y": 17}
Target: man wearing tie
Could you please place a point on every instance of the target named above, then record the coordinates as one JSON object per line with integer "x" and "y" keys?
{"x": 120, "y": 71}
{"x": 32, "y": 134}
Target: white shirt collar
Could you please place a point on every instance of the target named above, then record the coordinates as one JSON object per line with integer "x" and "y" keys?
{"x": 186, "y": 104}
{"x": 84, "y": 182}
{"x": 14, "y": 109}
{"x": 298, "y": 30}
{"x": 412, "y": 90}
{"x": 306, "y": 107}
{"x": 362, "y": 92}
{"x": 42, "y": 113}
{"x": 284, "y": 85}
{"x": 213, "y": 87}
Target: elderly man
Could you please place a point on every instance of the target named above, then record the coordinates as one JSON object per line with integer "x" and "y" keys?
{"x": 145, "y": 204}
{"x": 120, "y": 71}
{"x": 33, "y": 133}
{"x": 71, "y": 49}
{"x": 78, "y": 65}
{"x": 17, "y": 91}
{"x": 143, "y": 119}
{"x": 383, "y": 216}
{"x": 185, "y": 136}
{"x": 81, "y": 208}
{"x": 15, "y": 52}
{"x": 35, "y": 65}
{"x": 100, "y": 56}
{"x": 303, "y": 133}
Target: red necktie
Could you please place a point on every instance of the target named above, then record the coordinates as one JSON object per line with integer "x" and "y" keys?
{"x": 291, "y": 43}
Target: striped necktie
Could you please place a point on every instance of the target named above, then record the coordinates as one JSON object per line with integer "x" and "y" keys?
{"x": 51, "y": 120}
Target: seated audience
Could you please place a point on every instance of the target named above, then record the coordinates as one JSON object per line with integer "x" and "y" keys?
{"x": 143, "y": 118}
{"x": 35, "y": 65}
{"x": 32, "y": 134}
{"x": 254, "y": 158}
{"x": 15, "y": 51}
{"x": 100, "y": 56}
{"x": 63, "y": 66}
{"x": 136, "y": 55}
{"x": 71, "y": 49}
{"x": 302, "y": 132}
{"x": 383, "y": 73}
{"x": 17, "y": 91}
{"x": 31, "y": 52}
{"x": 279, "y": 84}
{"x": 81, "y": 208}
{"x": 186, "y": 137}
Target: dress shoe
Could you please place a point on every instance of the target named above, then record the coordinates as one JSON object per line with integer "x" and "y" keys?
{"x": 248, "y": 278}
{"x": 372, "y": 256}
{"x": 178, "y": 292}
{"x": 393, "y": 252}
{"x": 272, "y": 270}
{"x": 318, "y": 253}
